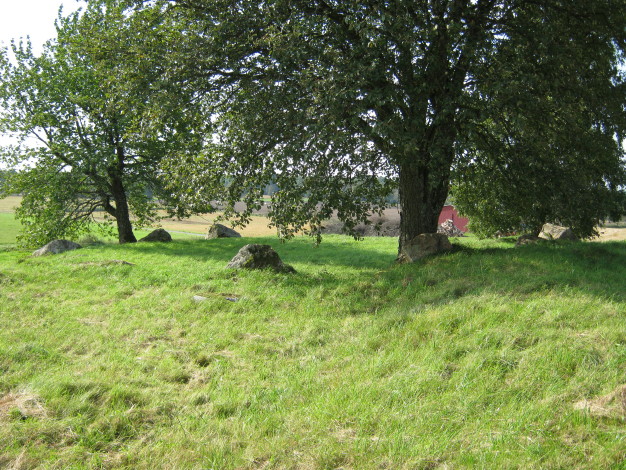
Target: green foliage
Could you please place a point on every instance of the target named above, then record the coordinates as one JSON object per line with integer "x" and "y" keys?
{"x": 480, "y": 358}
{"x": 324, "y": 96}
{"x": 548, "y": 146}
{"x": 48, "y": 213}
{"x": 102, "y": 116}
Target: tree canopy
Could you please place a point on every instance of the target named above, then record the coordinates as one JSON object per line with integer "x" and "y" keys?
{"x": 549, "y": 150}
{"x": 99, "y": 104}
{"x": 519, "y": 105}
{"x": 335, "y": 97}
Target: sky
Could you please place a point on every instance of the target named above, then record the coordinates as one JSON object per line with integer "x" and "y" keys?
{"x": 34, "y": 18}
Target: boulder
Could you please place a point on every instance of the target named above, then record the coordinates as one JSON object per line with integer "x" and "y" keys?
{"x": 255, "y": 256}
{"x": 158, "y": 235}
{"x": 221, "y": 231}
{"x": 556, "y": 232}
{"x": 423, "y": 245}
{"x": 528, "y": 239}
{"x": 55, "y": 247}
{"x": 449, "y": 229}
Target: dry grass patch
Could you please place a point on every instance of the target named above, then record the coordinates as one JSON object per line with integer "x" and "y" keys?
{"x": 258, "y": 226}
{"x": 21, "y": 405}
{"x": 611, "y": 405}
{"x": 608, "y": 234}
{"x": 21, "y": 462}
{"x": 9, "y": 204}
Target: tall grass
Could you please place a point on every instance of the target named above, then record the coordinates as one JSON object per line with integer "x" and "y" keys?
{"x": 488, "y": 357}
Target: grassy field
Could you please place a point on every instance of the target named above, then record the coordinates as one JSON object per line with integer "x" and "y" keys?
{"x": 488, "y": 357}
{"x": 8, "y": 228}
{"x": 9, "y": 204}
{"x": 200, "y": 224}
{"x": 194, "y": 224}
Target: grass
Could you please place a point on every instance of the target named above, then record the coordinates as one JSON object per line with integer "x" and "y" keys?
{"x": 8, "y": 204}
{"x": 8, "y": 229}
{"x": 488, "y": 357}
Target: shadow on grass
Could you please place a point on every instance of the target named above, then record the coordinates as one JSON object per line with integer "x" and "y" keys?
{"x": 597, "y": 269}
{"x": 473, "y": 268}
{"x": 332, "y": 251}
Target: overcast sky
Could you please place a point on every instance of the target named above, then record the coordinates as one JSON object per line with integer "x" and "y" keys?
{"x": 34, "y": 18}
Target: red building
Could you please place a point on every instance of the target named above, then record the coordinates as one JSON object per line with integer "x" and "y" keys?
{"x": 449, "y": 212}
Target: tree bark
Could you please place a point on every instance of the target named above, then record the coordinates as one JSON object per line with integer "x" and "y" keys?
{"x": 422, "y": 195}
{"x": 122, "y": 214}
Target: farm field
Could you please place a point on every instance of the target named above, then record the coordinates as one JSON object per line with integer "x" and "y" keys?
{"x": 199, "y": 224}
{"x": 195, "y": 224}
{"x": 488, "y": 357}
{"x": 9, "y": 204}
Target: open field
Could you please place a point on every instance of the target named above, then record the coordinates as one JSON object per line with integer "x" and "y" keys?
{"x": 200, "y": 224}
{"x": 488, "y": 357}
{"x": 9, "y": 204}
{"x": 195, "y": 224}
{"x": 258, "y": 226}
{"x": 9, "y": 227}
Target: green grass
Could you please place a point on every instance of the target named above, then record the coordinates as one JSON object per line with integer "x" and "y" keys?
{"x": 8, "y": 229}
{"x": 475, "y": 359}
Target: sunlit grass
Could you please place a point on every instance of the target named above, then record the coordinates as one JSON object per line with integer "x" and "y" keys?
{"x": 9, "y": 227}
{"x": 479, "y": 358}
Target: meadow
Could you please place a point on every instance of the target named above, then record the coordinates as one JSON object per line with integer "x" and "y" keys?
{"x": 491, "y": 356}
{"x": 196, "y": 224}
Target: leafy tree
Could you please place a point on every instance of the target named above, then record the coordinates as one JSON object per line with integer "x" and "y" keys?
{"x": 548, "y": 151}
{"x": 98, "y": 103}
{"x": 4, "y": 175}
{"x": 343, "y": 100}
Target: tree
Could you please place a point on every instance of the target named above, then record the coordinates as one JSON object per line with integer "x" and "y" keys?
{"x": 336, "y": 97}
{"x": 98, "y": 103}
{"x": 549, "y": 150}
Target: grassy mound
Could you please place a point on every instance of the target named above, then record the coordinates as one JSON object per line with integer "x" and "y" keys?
{"x": 491, "y": 356}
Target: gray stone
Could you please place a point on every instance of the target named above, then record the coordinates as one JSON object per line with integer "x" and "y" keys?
{"x": 449, "y": 229}
{"x": 424, "y": 245}
{"x": 158, "y": 235}
{"x": 255, "y": 256}
{"x": 199, "y": 298}
{"x": 56, "y": 247}
{"x": 221, "y": 231}
{"x": 528, "y": 239}
{"x": 556, "y": 232}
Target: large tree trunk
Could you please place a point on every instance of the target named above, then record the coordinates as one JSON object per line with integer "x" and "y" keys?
{"x": 422, "y": 195}
{"x": 122, "y": 214}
